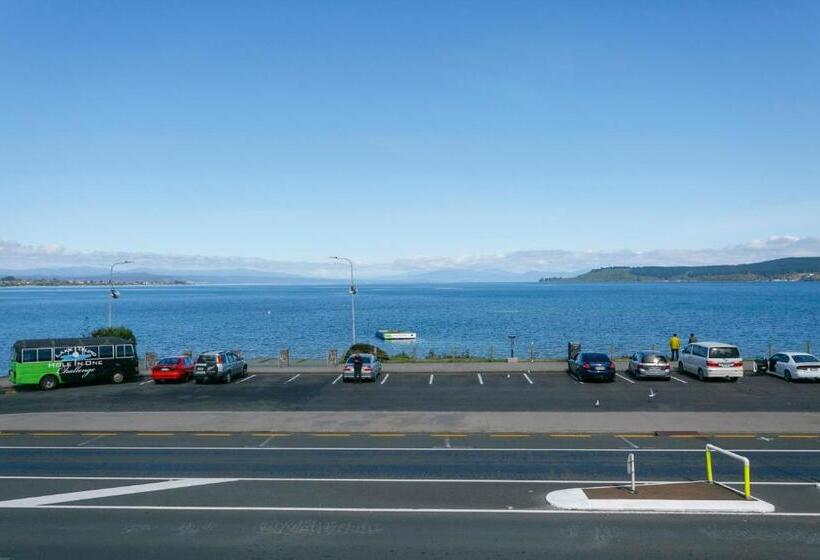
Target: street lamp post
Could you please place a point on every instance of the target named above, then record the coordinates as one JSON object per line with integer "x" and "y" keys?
{"x": 113, "y": 292}
{"x": 352, "y": 291}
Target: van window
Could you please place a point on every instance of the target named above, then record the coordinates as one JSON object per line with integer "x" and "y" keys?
{"x": 106, "y": 352}
{"x": 724, "y": 352}
{"x": 29, "y": 355}
{"x": 125, "y": 351}
{"x": 44, "y": 354}
{"x": 699, "y": 351}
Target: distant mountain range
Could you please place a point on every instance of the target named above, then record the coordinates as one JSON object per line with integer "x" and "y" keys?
{"x": 785, "y": 270}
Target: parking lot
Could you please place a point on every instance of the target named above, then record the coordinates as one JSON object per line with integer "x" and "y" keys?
{"x": 513, "y": 391}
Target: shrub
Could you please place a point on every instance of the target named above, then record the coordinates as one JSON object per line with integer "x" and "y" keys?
{"x": 362, "y": 348}
{"x": 119, "y": 332}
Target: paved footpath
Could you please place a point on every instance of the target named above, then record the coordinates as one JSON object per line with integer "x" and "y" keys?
{"x": 410, "y": 422}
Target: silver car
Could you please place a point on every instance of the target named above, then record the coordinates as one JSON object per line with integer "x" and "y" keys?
{"x": 219, "y": 366}
{"x": 370, "y": 370}
{"x": 647, "y": 363}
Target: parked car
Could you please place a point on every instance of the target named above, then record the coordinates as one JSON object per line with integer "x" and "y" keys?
{"x": 173, "y": 368}
{"x": 647, "y": 363}
{"x": 371, "y": 367}
{"x": 219, "y": 366}
{"x": 592, "y": 365}
{"x": 792, "y": 366}
{"x": 711, "y": 359}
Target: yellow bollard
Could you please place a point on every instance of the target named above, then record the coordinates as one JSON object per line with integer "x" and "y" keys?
{"x": 709, "y": 465}
{"x": 747, "y": 481}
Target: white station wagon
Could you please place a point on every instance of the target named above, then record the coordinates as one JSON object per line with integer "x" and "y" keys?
{"x": 711, "y": 359}
{"x": 792, "y": 366}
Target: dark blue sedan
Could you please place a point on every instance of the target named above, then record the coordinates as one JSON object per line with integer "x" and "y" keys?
{"x": 592, "y": 365}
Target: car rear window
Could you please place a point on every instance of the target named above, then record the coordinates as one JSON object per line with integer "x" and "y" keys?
{"x": 804, "y": 358}
{"x": 596, "y": 357}
{"x": 653, "y": 359}
{"x": 365, "y": 360}
{"x": 168, "y": 361}
{"x": 206, "y": 359}
{"x": 724, "y": 352}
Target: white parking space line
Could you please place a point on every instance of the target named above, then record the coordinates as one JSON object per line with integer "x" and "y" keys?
{"x": 527, "y": 377}
{"x": 108, "y": 492}
{"x": 678, "y": 380}
{"x": 624, "y": 378}
{"x": 384, "y": 379}
{"x": 480, "y": 379}
{"x": 432, "y": 375}
{"x": 629, "y": 442}
{"x": 337, "y": 379}
{"x": 576, "y": 379}
{"x": 146, "y": 382}
{"x": 247, "y": 378}
{"x": 292, "y": 378}
{"x": 95, "y": 438}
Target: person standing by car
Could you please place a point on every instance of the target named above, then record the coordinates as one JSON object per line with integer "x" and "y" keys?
{"x": 692, "y": 338}
{"x": 674, "y": 346}
{"x": 357, "y": 367}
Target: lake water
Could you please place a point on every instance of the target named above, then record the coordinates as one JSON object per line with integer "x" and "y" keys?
{"x": 309, "y": 320}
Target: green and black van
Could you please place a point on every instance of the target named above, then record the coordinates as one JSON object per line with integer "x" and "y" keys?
{"x": 51, "y": 362}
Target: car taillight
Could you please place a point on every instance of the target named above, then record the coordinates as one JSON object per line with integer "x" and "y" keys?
{"x": 612, "y": 365}
{"x": 348, "y": 368}
{"x": 738, "y": 364}
{"x": 667, "y": 367}
{"x": 586, "y": 365}
{"x": 712, "y": 363}
{"x": 219, "y": 359}
{"x": 367, "y": 368}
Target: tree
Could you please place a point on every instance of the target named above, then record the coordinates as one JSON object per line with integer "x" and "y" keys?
{"x": 119, "y": 332}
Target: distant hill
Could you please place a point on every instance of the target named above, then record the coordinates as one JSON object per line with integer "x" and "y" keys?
{"x": 793, "y": 269}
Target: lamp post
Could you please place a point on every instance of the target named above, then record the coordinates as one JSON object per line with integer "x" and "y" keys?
{"x": 113, "y": 292}
{"x": 352, "y": 291}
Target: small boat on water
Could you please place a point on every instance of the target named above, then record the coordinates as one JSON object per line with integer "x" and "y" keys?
{"x": 391, "y": 334}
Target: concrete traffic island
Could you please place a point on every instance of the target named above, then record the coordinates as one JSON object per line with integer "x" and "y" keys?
{"x": 678, "y": 497}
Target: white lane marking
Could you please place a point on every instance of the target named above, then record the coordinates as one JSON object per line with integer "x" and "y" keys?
{"x": 432, "y": 375}
{"x": 264, "y": 443}
{"x": 456, "y": 511}
{"x": 480, "y": 379}
{"x": 576, "y": 379}
{"x": 527, "y": 377}
{"x": 409, "y": 449}
{"x": 86, "y": 442}
{"x": 678, "y": 380}
{"x": 108, "y": 492}
{"x": 413, "y": 480}
{"x": 624, "y": 378}
{"x": 247, "y": 378}
{"x": 384, "y": 379}
{"x": 146, "y": 382}
{"x": 337, "y": 379}
{"x": 292, "y": 378}
{"x": 629, "y": 442}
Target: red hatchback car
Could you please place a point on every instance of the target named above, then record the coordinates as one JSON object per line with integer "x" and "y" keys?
{"x": 176, "y": 368}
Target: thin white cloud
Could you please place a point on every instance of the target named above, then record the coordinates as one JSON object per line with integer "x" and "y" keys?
{"x": 17, "y": 256}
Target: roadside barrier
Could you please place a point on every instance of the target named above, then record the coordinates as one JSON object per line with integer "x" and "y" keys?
{"x": 747, "y": 480}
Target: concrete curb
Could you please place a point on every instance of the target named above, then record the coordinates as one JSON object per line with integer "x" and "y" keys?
{"x": 576, "y": 499}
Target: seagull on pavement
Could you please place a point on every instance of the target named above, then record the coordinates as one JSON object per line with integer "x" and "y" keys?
{"x": 652, "y": 393}
{"x": 597, "y": 403}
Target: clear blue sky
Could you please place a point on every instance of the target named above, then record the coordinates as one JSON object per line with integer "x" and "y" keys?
{"x": 295, "y": 130}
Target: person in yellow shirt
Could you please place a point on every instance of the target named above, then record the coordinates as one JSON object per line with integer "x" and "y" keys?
{"x": 674, "y": 346}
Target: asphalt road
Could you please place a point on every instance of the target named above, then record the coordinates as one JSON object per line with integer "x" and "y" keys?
{"x": 448, "y": 499}
{"x": 422, "y": 392}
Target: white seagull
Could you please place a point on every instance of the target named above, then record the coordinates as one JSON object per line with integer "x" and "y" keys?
{"x": 597, "y": 403}
{"x": 652, "y": 393}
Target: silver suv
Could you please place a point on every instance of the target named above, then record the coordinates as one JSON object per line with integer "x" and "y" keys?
{"x": 219, "y": 366}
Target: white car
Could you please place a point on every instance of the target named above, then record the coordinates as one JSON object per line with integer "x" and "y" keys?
{"x": 711, "y": 359}
{"x": 792, "y": 366}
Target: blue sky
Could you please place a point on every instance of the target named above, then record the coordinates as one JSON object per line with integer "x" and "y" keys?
{"x": 435, "y": 131}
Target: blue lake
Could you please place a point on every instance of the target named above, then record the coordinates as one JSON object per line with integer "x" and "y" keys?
{"x": 309, "y": 320}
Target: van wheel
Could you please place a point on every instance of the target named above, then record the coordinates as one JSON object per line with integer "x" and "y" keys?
{"x": 49, "y": 382}
{"x": 117, "y": 377}
{"x": 788, "y": 376}
{"x": 700, "y": 375}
